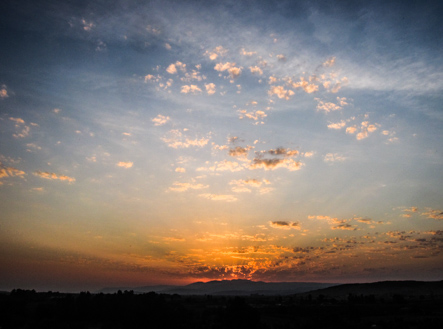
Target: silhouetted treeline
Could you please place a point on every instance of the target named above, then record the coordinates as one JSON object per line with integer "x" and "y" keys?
{"x": 29, "y": 309}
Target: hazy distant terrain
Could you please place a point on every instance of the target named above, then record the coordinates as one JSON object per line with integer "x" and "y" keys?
{"x": 231, "y": 288}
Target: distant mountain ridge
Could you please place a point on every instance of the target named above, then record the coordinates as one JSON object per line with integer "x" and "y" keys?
{"x": 229, "y": 287}
{"x": 382, "y": 288}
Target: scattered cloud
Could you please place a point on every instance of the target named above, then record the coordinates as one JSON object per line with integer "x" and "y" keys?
{"x": 190, "y": 89}
{"x": 180, "y": 169}
{"x": 182, "y": 187}
{"x": 333, "y": 157}
{"x": 433, "y": 213}
{"x": 330, "y": 62}
{"x": 10, "y": 172}
{"x": 239, "y": 151}
{"x": 219, "y": 197}
{"x": 210, "y": 88}
{"x": 125, "y": 164}
{"x": 230, "y": 67}
{"x": 216, "y": 52}
{"x": 160, "y": 120}
{"x": 53, "y": 176}
{"x": 281, "y": 92}
{"x": 256, "y": 69}
{"x": 337, "y": 125}
{"x": 4, "y": 92}
{"x": 275, "y": 163}
{"x": 285, "y": 225}
{"x": 176, "y": 139}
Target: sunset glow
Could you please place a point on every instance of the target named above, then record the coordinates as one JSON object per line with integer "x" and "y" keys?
{"x": 168, "y": 142}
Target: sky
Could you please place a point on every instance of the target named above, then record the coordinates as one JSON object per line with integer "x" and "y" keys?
{"x": 169, "y": 142}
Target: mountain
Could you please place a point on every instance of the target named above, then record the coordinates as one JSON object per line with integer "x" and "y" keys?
{"x": 383, "y": 289}
{"x": 230, "y": 287}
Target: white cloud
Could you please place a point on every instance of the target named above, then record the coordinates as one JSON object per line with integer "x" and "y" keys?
{"x": 333, "y": 157}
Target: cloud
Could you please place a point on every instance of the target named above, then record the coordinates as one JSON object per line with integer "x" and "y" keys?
{"x": 160, "y": 120}
{"x": 182, "y": 187}
{"x": 176, "y": 139}
{"x": 351, "y": 130}
{"x": 210, "y": 88}
{"x": 223, "y": 166}
{"x": 186, "y": 89}
{"x": 433, "y": 213}
{"x": 247, "y": 53}
{"x": 333, "y": 157}
{"x": 219, "y": 197}
{"x": 172, "y": 68}
{"x": 344, "y": 227}
{"x": 327, "y": 106}
{"x": 230, "y": 67}
{"x": 285, "y": 225}
{"x": 283, "y": 151}
{"x": 256, "y": 69}
{"x": 281, "y": 92}
{"x": 22, "y": 129}
{"x": 240, "y": 151}
{"x": 308, "y": 87}
{"x": 4, "y": 92}
{"x": 272, "y": 164}
{"x": 53, "y": 176}
{"x": 87, "y": 26}
{"x": 10, "y": 172}
{"x": 255, "y": 115}
{"x": 330, "y": 62}
{"x": 281, "y": 58}
{"x": 180, "y": 169}
{"x": 243, "y": 185}
{"x": 217, "y": 51}
{"x": 125, "y": 164}
{"x": 337, "y": 125}
{"x": 168, "y": 46}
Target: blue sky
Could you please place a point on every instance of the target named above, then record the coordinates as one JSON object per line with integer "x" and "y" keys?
{"x": 147, "y": 142}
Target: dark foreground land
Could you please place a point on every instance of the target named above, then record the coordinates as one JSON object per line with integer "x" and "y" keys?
{"x": 382, "y": 305}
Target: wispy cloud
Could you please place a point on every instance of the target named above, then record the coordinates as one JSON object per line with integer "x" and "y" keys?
{"x": 54, "y": 176}
{"x": 182, "y": 187}
{"x": 219, "y": 197}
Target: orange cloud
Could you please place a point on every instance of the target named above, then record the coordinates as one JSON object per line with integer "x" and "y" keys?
{"x": 49, "y": 175}
{"x": 230, "y": 67}
{"x": 186, "y": 89}
{"x": 125, "y": 164}
{"x": 281, "y": 92}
